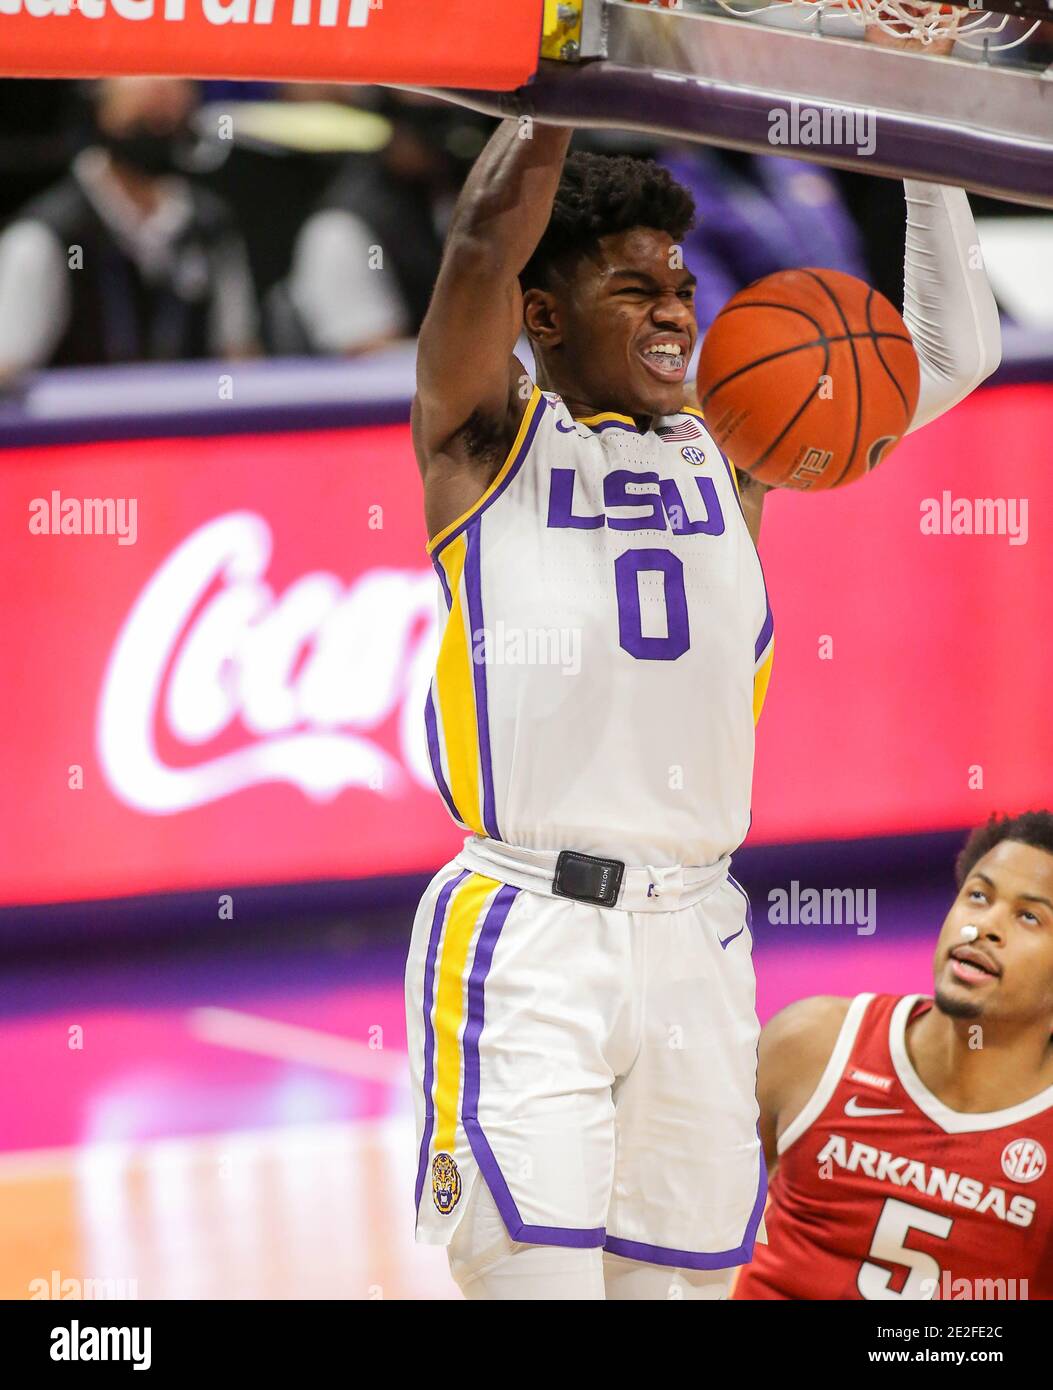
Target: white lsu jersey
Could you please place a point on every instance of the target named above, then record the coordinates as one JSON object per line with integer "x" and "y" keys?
{"x": 606, "y": 644}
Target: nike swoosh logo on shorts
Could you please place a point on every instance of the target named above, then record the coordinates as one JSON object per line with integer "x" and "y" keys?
{"x": 725, "y": 944}
{"x": 852, "y": 1107}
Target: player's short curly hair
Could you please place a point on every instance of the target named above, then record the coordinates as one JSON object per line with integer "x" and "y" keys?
{"x": 1033, "y": 828}
{"x": 602, "y": 194}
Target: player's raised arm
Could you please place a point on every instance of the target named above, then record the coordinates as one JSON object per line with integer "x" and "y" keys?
{"x": 947, "y": 300}
{"x": 469, "y": 402}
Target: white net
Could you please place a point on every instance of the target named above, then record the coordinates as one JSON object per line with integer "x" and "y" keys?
{"x": 903, "y": 22}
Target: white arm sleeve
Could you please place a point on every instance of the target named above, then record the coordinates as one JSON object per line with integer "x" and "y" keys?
{"x": 947, "y": 302}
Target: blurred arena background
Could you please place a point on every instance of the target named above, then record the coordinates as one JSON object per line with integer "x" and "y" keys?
{"x": 218, "y": 811}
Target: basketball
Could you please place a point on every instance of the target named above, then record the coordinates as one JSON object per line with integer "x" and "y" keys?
{"x": 808, "y": 378}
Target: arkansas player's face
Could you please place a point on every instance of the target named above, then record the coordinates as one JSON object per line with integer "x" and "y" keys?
{"x": 1007, "y": 971}
{"x": 617, "y": 332}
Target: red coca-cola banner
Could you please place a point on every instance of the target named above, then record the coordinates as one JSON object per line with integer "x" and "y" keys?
{"x": 216, "y": 653}
{"x": 224, "y": 681}
{"x": 455, "y": 43}
{"x": 910, "y": 689}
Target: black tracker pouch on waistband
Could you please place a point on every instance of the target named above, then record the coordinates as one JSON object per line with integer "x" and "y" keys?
{"x": 588, "y": 879}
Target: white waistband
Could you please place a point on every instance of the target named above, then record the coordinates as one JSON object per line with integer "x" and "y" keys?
{"x": 643, "y": 889}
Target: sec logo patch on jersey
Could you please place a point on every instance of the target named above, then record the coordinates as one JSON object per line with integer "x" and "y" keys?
{"x": 445, "y": 1183}
{"x": 1024, "y": 1160}
{"x": 694, "y": 455}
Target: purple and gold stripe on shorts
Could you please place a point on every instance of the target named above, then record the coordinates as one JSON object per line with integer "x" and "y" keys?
{"x": 470, "y": 911}
{"x": 437, "y": 922}
{"x": 694, "y": 1259}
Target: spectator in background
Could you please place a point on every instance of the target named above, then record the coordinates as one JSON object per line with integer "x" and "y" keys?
{"x": 125, "y": 259}
{"x": 365, "y": 261}
{"x": 758, "y": 214}
{"x": 38, "y": 121}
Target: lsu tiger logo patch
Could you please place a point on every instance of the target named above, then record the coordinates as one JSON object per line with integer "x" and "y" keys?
{"x": 445, "y": 1183}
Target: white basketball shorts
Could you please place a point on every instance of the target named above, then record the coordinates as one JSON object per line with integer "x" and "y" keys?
{"x": 596, "y": 1066}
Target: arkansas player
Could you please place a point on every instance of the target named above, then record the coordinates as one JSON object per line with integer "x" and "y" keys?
{"x": 913, "y": 1135}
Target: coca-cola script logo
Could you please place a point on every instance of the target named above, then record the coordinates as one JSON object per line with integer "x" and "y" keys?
{"x": 308, "y": 676}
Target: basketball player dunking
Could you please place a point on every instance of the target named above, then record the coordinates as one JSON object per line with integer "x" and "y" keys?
{"x": 913, "y": 1135}
{"x": 580, "y": 991}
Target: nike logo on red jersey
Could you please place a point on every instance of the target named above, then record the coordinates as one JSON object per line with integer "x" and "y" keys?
{"x": 853, "y": 1107}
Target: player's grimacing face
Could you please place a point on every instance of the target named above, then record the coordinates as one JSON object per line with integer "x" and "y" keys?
{"x": 1007, "y": 971}
{"x": 626, "y": 325}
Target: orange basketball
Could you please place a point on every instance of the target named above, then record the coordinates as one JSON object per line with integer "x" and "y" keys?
{"x": 808, "y": 378}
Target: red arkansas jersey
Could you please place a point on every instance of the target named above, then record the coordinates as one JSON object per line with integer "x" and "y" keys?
{"x": 883, "y": 1192}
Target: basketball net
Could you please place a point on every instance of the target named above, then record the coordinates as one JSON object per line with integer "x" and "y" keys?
{"x": 901, "y": 19}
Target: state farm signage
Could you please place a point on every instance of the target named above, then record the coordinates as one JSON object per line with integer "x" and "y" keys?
{"x": 330, "y": 12}
{"x": 307, "y": 674}
{"x": 453, "y": 44}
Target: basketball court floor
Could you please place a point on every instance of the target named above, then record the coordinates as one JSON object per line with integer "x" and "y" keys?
{"x": 235, "y": 1122}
